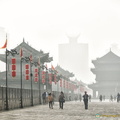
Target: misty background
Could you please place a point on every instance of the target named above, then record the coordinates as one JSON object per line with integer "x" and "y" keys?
{"x": 45, "y": 24}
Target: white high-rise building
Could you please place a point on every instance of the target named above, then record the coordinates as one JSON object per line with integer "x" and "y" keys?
{"x": 73, "y": 56}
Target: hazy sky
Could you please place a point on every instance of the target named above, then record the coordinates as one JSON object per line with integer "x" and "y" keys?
{"x": 45, "y": 23}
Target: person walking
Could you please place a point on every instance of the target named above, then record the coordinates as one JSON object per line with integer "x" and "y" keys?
{"x": 61, "y": 100}
{"x": 50, "y": 100}
{"x": 85, "y": 99}
{"x": 44, "y": 97}
{"x": 118, "y": 97}
{"x": 100, "y": 97}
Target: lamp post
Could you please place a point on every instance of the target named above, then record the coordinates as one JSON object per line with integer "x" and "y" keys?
{"x": 39, "y": 72}
{"x": 31, "y": 76}
{"x": 13, "y": 52}
{"x": 46, "y": 77}
{"x": 27, "y": 59}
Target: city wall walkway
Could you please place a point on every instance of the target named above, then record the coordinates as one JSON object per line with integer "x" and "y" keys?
{"x": 72, "y": 111}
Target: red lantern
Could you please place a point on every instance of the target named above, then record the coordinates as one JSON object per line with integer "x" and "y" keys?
{"x": 36, "y": 75}
{"x": 13, "y": 67}
{"x": 43, "y": 77}
{"x": 13, "y": 73}
{"x": 26, "y": 66}
{"x": 36, "y": 79}
{"x": 27, "y": 71}
{"x": 27, "y": 77}
{"x": 36, "y": 70}
{"x": 50, "y": 78}
{"x": 13, "y": 60}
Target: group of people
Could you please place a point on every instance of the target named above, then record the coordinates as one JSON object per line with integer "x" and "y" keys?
{"x": 61, "y": 100}
{"x": 50, "y": 99}
{"x": 111, "y": 98}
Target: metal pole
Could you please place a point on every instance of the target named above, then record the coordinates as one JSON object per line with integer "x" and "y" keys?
{"x": 7, "y": 108}
{"x": 31, "y": 83}
{"x": 21, "y": 84}
{"x": 39, "y": 87}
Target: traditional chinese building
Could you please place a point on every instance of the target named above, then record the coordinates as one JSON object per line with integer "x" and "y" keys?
{"x": 36, "y": 56}
{"x": 107, "y": 71}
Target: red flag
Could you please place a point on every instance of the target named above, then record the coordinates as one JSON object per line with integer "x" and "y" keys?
{"x": 5, "y": 45}
{"x": 21, "y": 52}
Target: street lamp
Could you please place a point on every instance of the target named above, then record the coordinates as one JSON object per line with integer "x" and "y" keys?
{"x": 39, "y": 71}
{"x": 26, "y": 59}
{"x": 31, "y": 75}
{"x": 13, "y": 52}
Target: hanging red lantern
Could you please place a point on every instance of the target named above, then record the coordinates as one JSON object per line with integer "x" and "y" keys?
{"x": 13, "y": 61}
{"x": 27, "y": 72}
{"x": 36, "y": 75}
{"x": 26, "y": 66}
{"x": 36, "y": 70}
{"x": 13, "y": 73}
{"x": 13, "y": 67}
{"x": 50, "y": 78}
{"x": 36, "y": 79}
{"x": 43, "y": 77}
{"x": 27, "y": 77}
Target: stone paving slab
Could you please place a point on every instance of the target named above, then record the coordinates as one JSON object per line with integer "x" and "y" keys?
{"x": 71, "y": 111}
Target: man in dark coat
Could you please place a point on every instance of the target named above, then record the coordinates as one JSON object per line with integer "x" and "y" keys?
{"x": 44, "y": 97}
{"x": 85, "y": 99}
{"x": 61, "y": 100}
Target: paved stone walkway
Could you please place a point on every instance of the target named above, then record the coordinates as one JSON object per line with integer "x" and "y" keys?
{"x": 72, "y": 111}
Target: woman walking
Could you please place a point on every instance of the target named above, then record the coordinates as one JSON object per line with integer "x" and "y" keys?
{"x": 50, "y": 100}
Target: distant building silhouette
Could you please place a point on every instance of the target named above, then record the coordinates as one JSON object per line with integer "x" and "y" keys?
{"x": 107, "y": 71}
{"x": 74, "y": 57}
